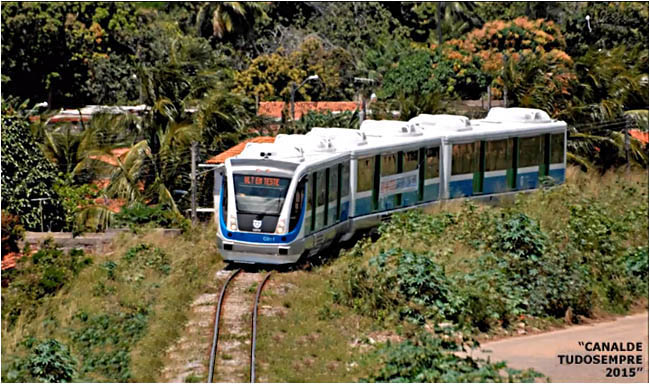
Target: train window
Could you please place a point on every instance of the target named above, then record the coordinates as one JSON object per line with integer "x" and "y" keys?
{"x": 321, "y": 192}
{"x": 224, "y": 199}
{"x": 345, "y": 179}
{"x": 333, "y": 192}
{"x": 296, "y": 206}
{"x": 465, "y": 158}
{"x": 557, "y": 148}
{"x": 497, "y": 155}
{"x": 389, "y": 164}
{"x": 432, "y": 165}
{"x": 410, "y": 161}
{"x": 530, "y": 151}
{"x": 260, "y": 194}
{"x": 365, "y": 171}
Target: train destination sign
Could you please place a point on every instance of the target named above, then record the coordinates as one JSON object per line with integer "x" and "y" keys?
{"x": 262, "y": 181}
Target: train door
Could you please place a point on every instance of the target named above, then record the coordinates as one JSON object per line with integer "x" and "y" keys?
{"x": 333, "y": 195}
{"x": 321, "y": 199}
{"x": 498, "y": 166}
{"x": 465, "y": 169}
{"x": 388, "y": 199}
{"x": 297, "y": 204}
{"x": 410, "y": 171}
{"x": 344, "y": 186}
{"x": 556, "y": 159}
{"x": 365, "y": 194}
{"x": 530, "y": 158}
{"x": 431, "y": 174}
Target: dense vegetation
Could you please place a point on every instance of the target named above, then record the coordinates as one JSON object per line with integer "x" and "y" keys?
{"x": 445, "y": 279}
{"x": 69, "y": 317}
{"x": 202, "y": 68}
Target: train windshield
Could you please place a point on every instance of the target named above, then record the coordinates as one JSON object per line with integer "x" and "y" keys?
{"x": 260, "y": 194}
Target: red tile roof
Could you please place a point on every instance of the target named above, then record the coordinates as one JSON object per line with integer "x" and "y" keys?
{"x": 237, "y": 149}
{"x": 274, "y": 108}
{"x": 112, "y": 158}
{"x": 639, "y": 135}
{"x": 9, "y": 260}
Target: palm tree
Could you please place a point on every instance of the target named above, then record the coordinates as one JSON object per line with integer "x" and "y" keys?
{"x": 229, "y": 16}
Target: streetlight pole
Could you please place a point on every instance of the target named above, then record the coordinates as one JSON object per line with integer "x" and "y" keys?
{"x": 363, "y": 80}
{"x": 293, "y": 94}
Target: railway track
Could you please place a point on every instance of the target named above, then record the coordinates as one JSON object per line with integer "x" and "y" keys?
{"x": 219, "y": 326}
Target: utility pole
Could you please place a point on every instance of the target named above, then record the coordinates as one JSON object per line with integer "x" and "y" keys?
{"x": 193, "y": 178}
{"x": 489, "y": 96}
{"x": 40, "y": 205}
{"x": 363, "y": 81}
{"x": 505, "y": 86}
{"x": 627, "y": 143}
{"x": 439, "y": 23}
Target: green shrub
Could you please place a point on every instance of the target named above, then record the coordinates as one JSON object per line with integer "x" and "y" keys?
{"x": 138, "y": 215}
{"x": 426, "y": 358}
{"x": 38, "y": 278}
{"x": 27, "y": 175}
{"x": 49, "y": 361}
{"x": 12, "y": 233}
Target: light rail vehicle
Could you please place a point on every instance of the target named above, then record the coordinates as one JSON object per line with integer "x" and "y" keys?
{"x": 276, "y": 202}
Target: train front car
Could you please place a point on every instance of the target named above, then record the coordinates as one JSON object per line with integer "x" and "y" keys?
{"x": 262, "y": 206}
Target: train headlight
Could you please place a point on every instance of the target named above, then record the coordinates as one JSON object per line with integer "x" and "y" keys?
{"x": 280, "y": 227}
{"x": 232, "y": 223}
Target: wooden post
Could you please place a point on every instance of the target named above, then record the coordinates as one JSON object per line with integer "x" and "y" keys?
{"x": 489, "y": 97}
{"x": 193, "y": 179}
{"x": 627, "y": 142}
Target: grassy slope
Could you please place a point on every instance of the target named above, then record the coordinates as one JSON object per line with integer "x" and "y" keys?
{"x": 317, "y": 340}
{"x": 147, "y": 307}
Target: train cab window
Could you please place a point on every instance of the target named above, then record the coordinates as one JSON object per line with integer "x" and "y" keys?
{"x": 497, "y": 155}
{"x": 296, "y": 205}
{"x": 432, "y": 165}
{"x": 224, "y": 198}
{"x": 333, "y": 194}
{"x": 410, "y": 161}
{"x": 557, "y": 148}
{"x": 321, "y": 195}
{"x": 465, "y": 158}
{"x": 365, "y": 172}
{"x": 530, "y": 151}
{"x": 311, "y": 207}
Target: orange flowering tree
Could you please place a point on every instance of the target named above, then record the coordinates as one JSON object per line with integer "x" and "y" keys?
{"x": 500, "y": 45}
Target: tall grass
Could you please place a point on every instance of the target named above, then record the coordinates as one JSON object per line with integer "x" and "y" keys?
{"x": 152, "y": 294}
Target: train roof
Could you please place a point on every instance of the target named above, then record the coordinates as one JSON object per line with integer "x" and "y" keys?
{"x": 325, "y": 144}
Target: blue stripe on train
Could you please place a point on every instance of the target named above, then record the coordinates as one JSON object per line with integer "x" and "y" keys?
{"x": 495, "y": 184}
{"x": 461, "y": 188}
{"x": 409, "y": 198}
{"x": 431, "y": 192}
{"x": 557, "y": 174}
{"x": 527, "y": 180}
{"x": 362, "y": 206}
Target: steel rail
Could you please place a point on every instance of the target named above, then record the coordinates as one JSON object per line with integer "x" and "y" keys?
{"x": 254, "y": 320}
{"x": 215, "y": 336}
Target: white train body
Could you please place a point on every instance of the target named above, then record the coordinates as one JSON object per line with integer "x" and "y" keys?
{"x": 277, "y": 202}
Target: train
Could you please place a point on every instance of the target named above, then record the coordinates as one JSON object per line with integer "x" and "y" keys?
{"x": 277, "y": 202}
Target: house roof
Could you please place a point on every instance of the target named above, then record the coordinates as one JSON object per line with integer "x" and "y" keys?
{"x": 112, "y": 158}
{"x": 237, "y": 149}
{"x": 9, "y": 260}
{"x": 639, "y": 135}
{"x": 274, "y": 108}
